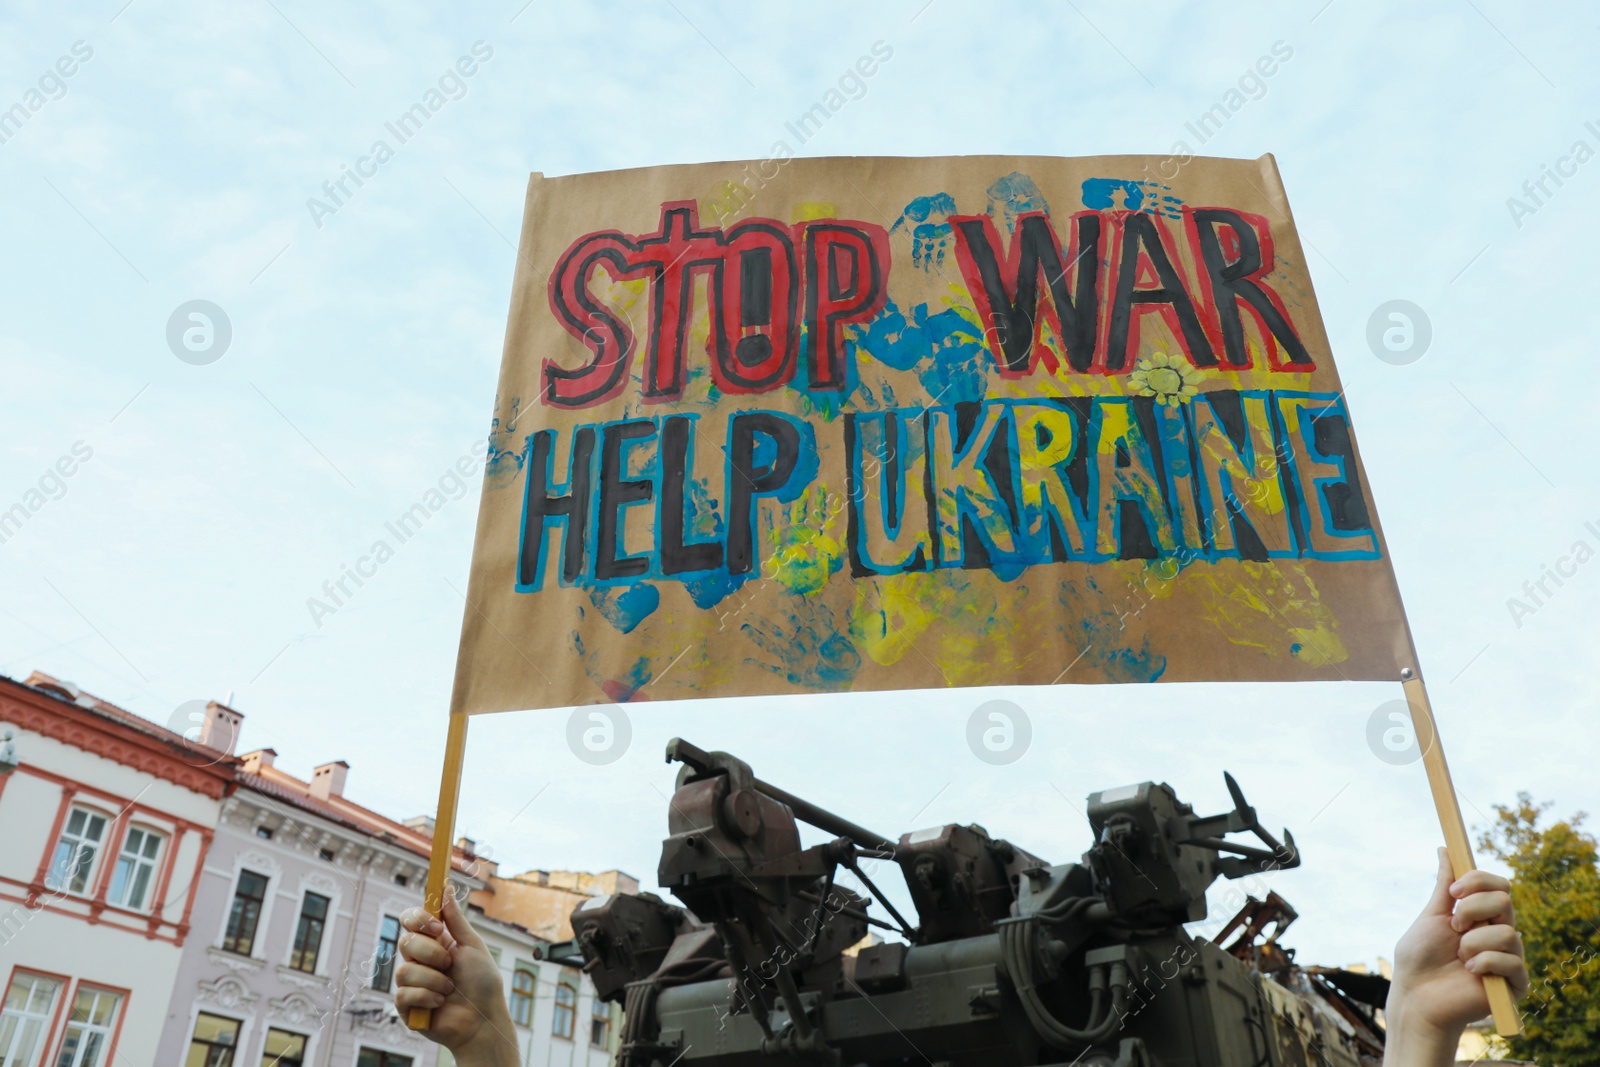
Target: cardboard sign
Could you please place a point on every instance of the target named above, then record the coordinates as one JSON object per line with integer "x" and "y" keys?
{"x": 815, "y": 425}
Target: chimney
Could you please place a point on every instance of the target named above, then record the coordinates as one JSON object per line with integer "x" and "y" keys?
{"x": 220, "y": 730}
{"x": 260, "y": 758}
{"x": 422, "y": 824}
{"x": 328, "y": 779}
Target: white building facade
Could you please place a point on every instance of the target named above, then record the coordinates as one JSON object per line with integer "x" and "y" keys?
{"x": 166, "y": 904}
{"x": 559, "y": 1022}
{"x": 105, "y": 823}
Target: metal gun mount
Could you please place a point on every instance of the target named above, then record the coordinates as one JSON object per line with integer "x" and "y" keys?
{"x": 1012, "y": 960}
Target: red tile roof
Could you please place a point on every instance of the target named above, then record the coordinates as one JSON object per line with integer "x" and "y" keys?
{"x": 268, "y": 781}
{"x": 91, "y": 703}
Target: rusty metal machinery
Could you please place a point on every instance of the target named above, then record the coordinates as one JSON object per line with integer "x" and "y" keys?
{"x": 1012, "y": 960}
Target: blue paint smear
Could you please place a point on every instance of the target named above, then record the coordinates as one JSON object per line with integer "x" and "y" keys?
{"x": 943, "y": 348}
{"x": 1008, "y": 571}
{"x": 927, "y": 219}
{"x": 808, "y": 649}
{"x": 830, "y": 403}
{"x": 715, "y": 587}
{"x": 503, "y": 462}
{"x": 626, "y": 607}
{"x": 701, "y": 517}
{"x": 1015, "y": 195}
{"x": 1151, "y": 198}
{"x": 1100, "y": 620}
{"x": 639, "y": 674}
{"x": 705, "y": 521}
{"x": 805, "y": 466}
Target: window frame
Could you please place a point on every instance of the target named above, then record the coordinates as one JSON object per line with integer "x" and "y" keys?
{"x": 600, "y": 1012}
{"x": 305, "y": 1047}
{"x": 228, "y": 932}
{"x": 109, "y": 1030}
{"x": 297, "y": 949}
{"x": 232, "y": 1050}
{"x": 383, "y": 962}
{"x": 570, "y": 1011}
{"x": 92, "y": 874}
{"x": 386, "y": 1058}
{"x": 48, "y": 1021}
{"x": 150, "y": 864}
{"x": 529, "y": 996}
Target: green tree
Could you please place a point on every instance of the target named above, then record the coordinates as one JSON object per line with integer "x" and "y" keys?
{"x": 1556, "y": 893}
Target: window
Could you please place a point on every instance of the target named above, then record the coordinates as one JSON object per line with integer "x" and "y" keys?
{"x": 26, "y": 1019}
{"x": 388, "y": 945}
{"x": 76, "y": 850}
{"x": 94, "y": 1014}
{"x": 283, "y": 1049}
{"x": 326, "y": 853}
{"x": 377, "y": 1057}
{"x": 600, "y": 1024}
{"x": 401, "y": 880}
{"x": 215, "y": 1040}
{"x": 247, "y": 899}
{"x": 523, "y": 981}
{"x": 308, "y": 933}
{"x": 566, "y": 1017}
{"x": 264, "y": 832}
{"x": 136, "y": 869}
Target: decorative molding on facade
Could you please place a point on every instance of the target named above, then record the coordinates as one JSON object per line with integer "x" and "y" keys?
{"x": 259, "y": 861}
{"x": 233, "y": 961}
{"x": 318, "y": 882}
{"x": 296, "y": 1009}
{"x": 381, "y": 1018}
{"x": 120, "y": 743}
{"x": 304, "y": 834}
{"x": 302, "y": 979}
{"x": 227, "y": 992}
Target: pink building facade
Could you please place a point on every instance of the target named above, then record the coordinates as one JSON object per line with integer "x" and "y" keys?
{"x": 292, "y": 956}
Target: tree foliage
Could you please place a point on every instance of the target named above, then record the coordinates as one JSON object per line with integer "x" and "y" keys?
{"x": 1556, "y": 893}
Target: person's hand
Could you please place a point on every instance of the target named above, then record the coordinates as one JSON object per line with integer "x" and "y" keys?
{"x": 1463, "y": 934}
{"x": 447, "y": 968}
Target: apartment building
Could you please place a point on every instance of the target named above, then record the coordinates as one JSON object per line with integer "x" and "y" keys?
{"x": 296, "y": 930}
{"x": 106, "y": 821}
{"x": 164, "y": 902}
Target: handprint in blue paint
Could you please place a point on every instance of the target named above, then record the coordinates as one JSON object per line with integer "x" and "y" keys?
{"x": 807, "y": 646}
{"x": 1127, "y": 195}
{"x": 1013, "y": 196}
{"x": 944, "y": 348}
{"x": 927, "y": 220}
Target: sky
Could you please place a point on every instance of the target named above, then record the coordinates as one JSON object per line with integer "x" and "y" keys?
{"x": 209, "y": 500}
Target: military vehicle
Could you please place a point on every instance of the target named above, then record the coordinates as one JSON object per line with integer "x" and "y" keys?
{"x": 1013, "y": 960}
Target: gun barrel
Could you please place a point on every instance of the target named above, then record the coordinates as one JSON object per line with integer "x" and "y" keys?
{"x": 823, "y": 819}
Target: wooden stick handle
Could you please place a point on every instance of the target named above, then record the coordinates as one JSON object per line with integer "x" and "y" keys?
{"x": 1507, "y": 1020}
{"x": 444, "y": 829}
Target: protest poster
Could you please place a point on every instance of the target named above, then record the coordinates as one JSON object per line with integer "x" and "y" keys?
{"x": 820, "y": 425}
{"x": 858, "y": 424}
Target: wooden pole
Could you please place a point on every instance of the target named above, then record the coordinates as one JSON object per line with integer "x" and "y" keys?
{"x": 444, "y": 829}
{"x": 1507, "y": 1021}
